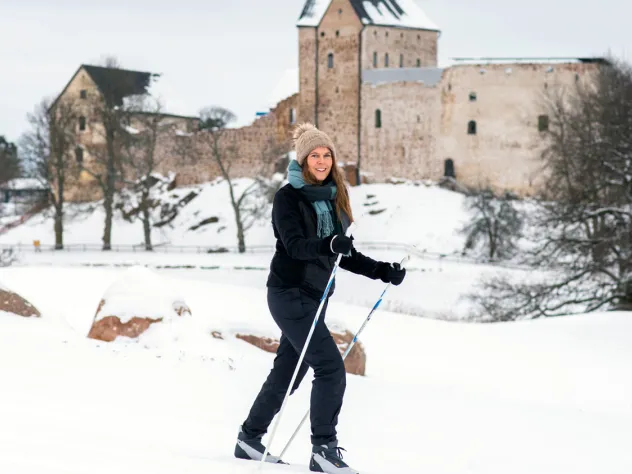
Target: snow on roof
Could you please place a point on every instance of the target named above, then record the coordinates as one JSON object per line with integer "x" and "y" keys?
{"x": 313, "y": 12}
{"x": 535, "y": 60}
{"x": 401, "y": 13}
{"x": 430, "y": 76}
{"x": 23, "y": 184}
{"x": 397, "y": 13}
{"x": 287, "y": 86}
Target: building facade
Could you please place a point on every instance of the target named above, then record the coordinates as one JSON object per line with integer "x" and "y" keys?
{"x": 368, "y": 75}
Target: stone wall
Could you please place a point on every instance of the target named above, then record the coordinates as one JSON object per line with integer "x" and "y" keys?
{"x": 405, "y": 146}
{"x": 251, "y": 150}
{"x": 338, "y": 85}
{"x": 405, "y": 47}
{"x": 505, "y": 102}
{"x": 307, "y": 72}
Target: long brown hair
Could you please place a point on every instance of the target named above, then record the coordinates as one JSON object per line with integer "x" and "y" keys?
{"x": 343, "y": 203}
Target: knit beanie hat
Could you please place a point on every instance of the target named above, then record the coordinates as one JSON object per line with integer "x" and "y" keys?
{"x": 306, "y": 138}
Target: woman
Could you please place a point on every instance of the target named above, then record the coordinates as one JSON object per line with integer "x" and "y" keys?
{"x": 309, "y": 217}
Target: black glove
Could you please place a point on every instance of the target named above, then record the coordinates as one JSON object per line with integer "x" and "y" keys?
{"x": 341, "y": 244}
{"x": 391, "y": 273}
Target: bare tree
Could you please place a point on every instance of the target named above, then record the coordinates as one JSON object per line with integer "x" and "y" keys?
{"x": 48, "y": 149}
{"x": 249, "y": 204}
{"x": 9, "y": 162}
{"x": 105, "y": 150}
{"x": 494, "y": 226}
{"x": 141, "y": 154}
{"x": 583, "y": 223}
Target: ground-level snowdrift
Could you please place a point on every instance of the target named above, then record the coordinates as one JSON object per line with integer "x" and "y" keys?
{"x": 418, "y": 214}
{"x": 550, "y": 396}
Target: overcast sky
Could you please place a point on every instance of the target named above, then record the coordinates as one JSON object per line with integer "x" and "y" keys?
{"x": 234, "y": 52}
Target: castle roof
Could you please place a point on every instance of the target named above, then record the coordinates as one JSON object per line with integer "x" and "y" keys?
{"x": 395, "y": 13}
{"x": 116, "y": 84}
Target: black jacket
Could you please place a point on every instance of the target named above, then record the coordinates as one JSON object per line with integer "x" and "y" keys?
{"x": 302, "y": 259}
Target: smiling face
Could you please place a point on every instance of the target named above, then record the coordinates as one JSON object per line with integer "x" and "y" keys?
{"x": 319, "y": 163}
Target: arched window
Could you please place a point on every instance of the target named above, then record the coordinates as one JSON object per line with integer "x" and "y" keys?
{"x": 448, "y": 168}
{"x": 378, "y": 118}
{"x": 471, "y": 127}
{"x": 330, "y": 60}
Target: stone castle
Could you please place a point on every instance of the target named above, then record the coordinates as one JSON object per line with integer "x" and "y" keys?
{"x": 369, "y": 77}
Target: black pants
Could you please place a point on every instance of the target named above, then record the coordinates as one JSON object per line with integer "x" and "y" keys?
{"x": 294, "y": 312}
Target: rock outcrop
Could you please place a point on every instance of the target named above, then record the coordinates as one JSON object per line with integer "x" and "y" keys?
{"x": 133, "y": 303}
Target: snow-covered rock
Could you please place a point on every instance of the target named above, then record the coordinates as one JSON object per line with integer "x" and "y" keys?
{"x": 135, "y": 301}
{"x": 14, "y": 304}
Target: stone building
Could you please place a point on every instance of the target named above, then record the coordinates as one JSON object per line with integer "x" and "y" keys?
{"x": 368, "y": 75}
{"x": 90, "y": 92}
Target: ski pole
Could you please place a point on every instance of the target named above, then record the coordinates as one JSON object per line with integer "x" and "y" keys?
{"x": 344, "y": 356}
{"x": 309, "y": 336}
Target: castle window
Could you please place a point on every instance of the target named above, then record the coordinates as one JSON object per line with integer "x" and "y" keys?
{"x": 387, "y": 34}
{"x": 337, "y": 33}
{"x": 418, "y": 62}
{"x": 82, "y": 123}
{"x": 378, "y": 118}
{"x": 386, "y": 60}
{"x": 340, "y": 11}
{"x": 375, "y": 59}
{"x": 401, "y": 60}
{"x": 83, "y": 94}
{"x": 322, "y": 34}
{"x": 401, "y": 35}
{"x": 543, "y": 123}
{"x": 448, "y": 168}
{"x": 471, "y": 127}
{"x": 330, "y": 60}
{"x": 419, "y": 37}
{"x": 472, "y": 96}
{"x": 79, "y": 154}
{"x": 292, "y": 115}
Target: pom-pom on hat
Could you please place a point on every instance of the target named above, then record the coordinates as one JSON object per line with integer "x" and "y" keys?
{"x": 306, "y": 138}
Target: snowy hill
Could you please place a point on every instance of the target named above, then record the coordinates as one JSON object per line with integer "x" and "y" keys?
{"x": 545, "y": 396}
{"x": 426, "y": 216}
{"x": 387, "y": 215}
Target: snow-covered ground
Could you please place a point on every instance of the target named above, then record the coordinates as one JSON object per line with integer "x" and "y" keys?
{"x": 548, "y": 396}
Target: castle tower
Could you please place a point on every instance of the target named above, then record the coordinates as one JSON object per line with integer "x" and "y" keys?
{"x": 338, "y": 40}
